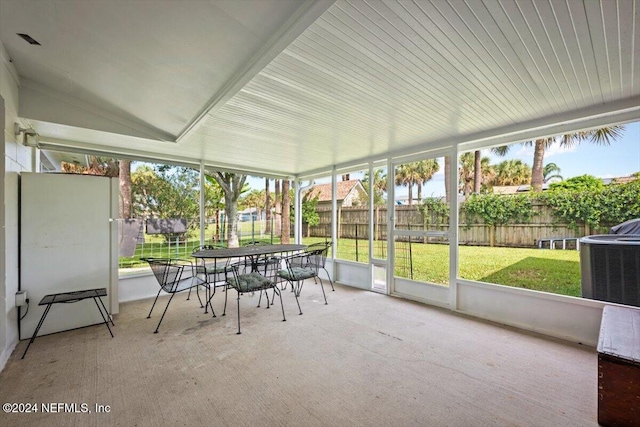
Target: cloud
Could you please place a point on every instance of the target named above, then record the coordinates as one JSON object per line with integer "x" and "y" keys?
{"x": 559, "y": 149}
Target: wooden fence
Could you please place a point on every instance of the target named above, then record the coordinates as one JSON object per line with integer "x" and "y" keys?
{"x": 353, "y": 222}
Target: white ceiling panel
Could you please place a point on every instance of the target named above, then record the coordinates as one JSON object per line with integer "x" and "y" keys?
{"x": 346, "y": 81}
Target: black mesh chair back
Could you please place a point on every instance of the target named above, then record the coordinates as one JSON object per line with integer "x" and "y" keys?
{"x": 251, "y": 277}
{"x": 319, "y": 258}
{"x": 301, "y": 267}
{"x": 171, "y": 276}
{"x": 211, "y": 272}
{"x": 167, "y": 274}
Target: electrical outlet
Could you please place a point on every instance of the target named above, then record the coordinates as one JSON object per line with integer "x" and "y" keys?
{"x": 21, "y": 298}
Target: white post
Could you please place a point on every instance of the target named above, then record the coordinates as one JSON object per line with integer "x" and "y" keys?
{"x": 453, "y": 229}
{"x": 202, "y": 202}
{"x": 391, "y": 247}
{"x": 297, "y": 212}
{"x": 372, "y": 200}
{"x": 334, "y": 217}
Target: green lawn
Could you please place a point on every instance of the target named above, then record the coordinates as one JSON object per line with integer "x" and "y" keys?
{"x": 555, "y": 271}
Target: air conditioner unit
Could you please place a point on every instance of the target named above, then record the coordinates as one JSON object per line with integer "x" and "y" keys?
{"x": 610, "y": 266}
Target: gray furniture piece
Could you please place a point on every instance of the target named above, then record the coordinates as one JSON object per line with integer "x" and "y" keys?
{"x": 255, "y": 269}
{"x": 212, "y": 273}
{"x": 320, "y": 251}
{"x": 68, "y": 298}
{"x": 170, "y": 276}
{"x": 301, "y": 267}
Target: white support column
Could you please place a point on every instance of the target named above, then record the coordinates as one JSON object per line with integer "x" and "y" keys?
{"x": 202, "y": 203}
{"x": 453, "y": 229}
{"x": 372, "y": 201}
{"x": 297, "y": 212}
{"x": 391, "y": 247}
{"x": 334, "y": 214}
{"x": 35, "y": 159}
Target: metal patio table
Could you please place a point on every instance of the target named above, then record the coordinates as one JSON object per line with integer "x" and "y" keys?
{"x": 253, "y": 253}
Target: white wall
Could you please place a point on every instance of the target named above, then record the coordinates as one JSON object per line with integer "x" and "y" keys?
{"x": 137, "y": 286}
{"x": 569, "y": 318}
{"x": 17, "y": 159}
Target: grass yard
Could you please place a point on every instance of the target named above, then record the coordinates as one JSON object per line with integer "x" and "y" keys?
{"x": 554, "y": 271}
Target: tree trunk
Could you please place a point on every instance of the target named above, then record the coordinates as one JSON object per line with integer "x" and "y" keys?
{"x": 286, "y": 205}
{"x": 419, "y": 192}
{"x": 267, "y": 206}
{"x": 537, "y": 171}
{"x": 231, "y": 209}
{"x": 477, "y": 172}
{"x": 216, "y": 236}
{"x": 278, "y": 209}
{"x": 410, "y": 193}
{"x": 447, "y": 179}
{"x": 125, "y": 188}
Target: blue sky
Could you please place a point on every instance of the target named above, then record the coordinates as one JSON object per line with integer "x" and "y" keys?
{"x": 621, "y": 158}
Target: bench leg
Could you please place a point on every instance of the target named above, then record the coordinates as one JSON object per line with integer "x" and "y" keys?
{"x": 33, "y": 338}
{"x": 106, "y": 322}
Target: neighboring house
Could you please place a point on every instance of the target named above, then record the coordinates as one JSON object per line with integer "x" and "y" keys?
{"x": 350, "y": 193}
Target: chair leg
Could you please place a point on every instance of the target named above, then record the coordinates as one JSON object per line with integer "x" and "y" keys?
{"x": 163, "y": 313}
{"x": 198, "y": 295}
{"x": 299, "y": 287}
{"x": 297, "y": 301}
{"x": 154, "y": 303}
{"x": 226, "y": 292}
{"x": 209, "y": 303}
{"x": 323, "y": 294}
{"x": 239, "y": 314}
{"x": 330, "y": 281}
{"x": 189, "y": 295}
{"x": 284, "y": 319}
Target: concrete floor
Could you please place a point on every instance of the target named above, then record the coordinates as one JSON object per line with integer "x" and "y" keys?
{"x": 363, "y": 360}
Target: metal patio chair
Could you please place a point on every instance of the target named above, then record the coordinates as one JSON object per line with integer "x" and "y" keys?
{"x": 169, "y": 274}
{"x": 243, "y": 277}
{"x": 301, "y": 267}
{"x": 211, "y": 273}
{"x": 320, "y": 258}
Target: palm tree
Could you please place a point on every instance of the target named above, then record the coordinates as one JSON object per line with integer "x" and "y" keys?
{"x": 425, "y": 170}
{"x": 477, "y": 172}
{"x": 551, "y": 171}
{"x": 467, "y": 172}
{"x": 286, "y": 206}
{"x": 511, "y": 172}
{"x": 379, "y": 185}
{"x": 447, "y": 178}
{"x": 404, "y": 176}
{"x": 416, "y": 173}
{"x": 267, "y": 206}
{"x": 600, "y": 136}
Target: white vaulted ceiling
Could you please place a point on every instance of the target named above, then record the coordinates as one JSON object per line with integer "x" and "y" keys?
{"x": 288, "y": 87}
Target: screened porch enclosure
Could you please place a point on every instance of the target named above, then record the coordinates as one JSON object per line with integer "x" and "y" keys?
{"x": 305, "y": 90}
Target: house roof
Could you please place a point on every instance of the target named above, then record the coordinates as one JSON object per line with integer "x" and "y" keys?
{"x": 323, "y": 191}
{"x": 300, "y": 87}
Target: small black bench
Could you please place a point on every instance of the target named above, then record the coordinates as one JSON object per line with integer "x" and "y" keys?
{"x": 619, "y": 367}
{"x": 71, "y": 297}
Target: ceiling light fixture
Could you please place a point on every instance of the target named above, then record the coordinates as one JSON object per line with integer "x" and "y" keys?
{"x": 30, "y": 132}
{"x": 29, "y": 39}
